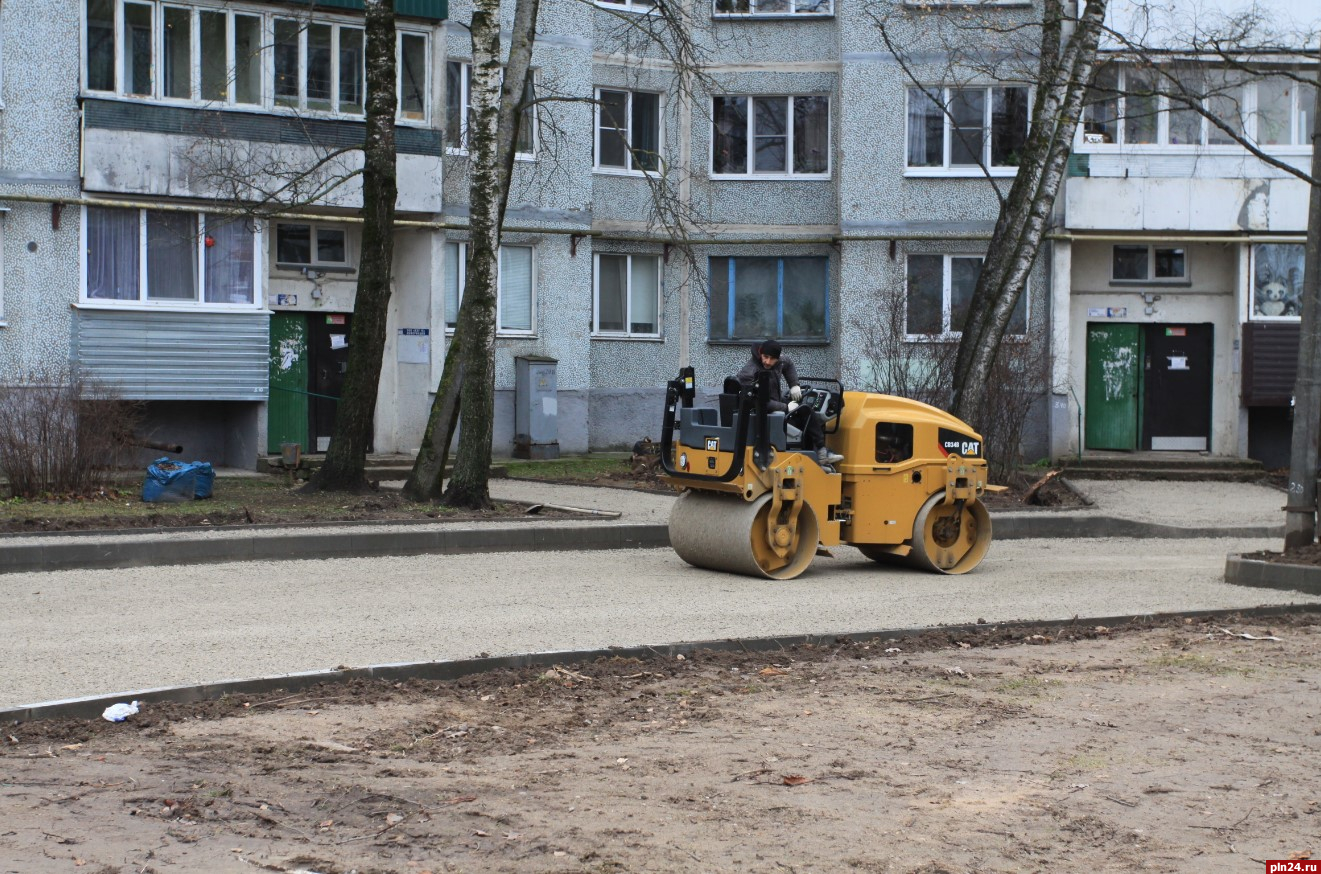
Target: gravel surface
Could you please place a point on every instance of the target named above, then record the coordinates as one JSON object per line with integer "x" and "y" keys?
{"x": 1187, "y": 504}
{"x": 75, "y": 633}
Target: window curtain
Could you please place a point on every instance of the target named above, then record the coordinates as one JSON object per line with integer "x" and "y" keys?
{"x": 729, "y": 140}
{"x": 612, "y": 129}
{"x": 611, "y": 282}
{"x": 112, "y": 253}
{"x": 644, "y": 295}
{"x": 925, "y": 310}
{"x": 811, "y": 134}
{"x": 926, "y": 130}
{"x": 171, "y": 256}
{"x": 515, "y": 288}
{"x": 229, "y": 260}
{"x": 454, "y": 253}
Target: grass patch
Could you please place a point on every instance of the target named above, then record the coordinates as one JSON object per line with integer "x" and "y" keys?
{"x": 1202, "y": 664}
{"x": 235, "y": 501}
{"x": 574, "y": 468}
{"x": 1022, "y": 686}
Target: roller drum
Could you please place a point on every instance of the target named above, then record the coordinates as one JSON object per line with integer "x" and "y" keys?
{"x": 727, "y": 533}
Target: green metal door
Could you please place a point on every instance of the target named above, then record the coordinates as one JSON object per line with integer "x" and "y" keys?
{"x": 286, "y": 412}
{"x": 1113, "y": 384}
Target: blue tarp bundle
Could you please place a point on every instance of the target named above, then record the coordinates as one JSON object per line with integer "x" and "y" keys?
{"x": 169, "y": 481}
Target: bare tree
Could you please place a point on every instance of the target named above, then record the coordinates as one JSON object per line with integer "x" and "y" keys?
{"x": 259, "y": 180}
{"x": 347, "y": 454}
{"x": 500, "y": 95}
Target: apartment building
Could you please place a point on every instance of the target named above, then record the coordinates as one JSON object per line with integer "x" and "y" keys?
{"x": 1176, "y": 282}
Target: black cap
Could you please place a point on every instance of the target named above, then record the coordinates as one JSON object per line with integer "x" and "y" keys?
{"x": 771, "y": 348}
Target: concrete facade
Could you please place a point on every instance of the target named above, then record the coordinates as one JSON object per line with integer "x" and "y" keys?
{"x": 845, "y": 225}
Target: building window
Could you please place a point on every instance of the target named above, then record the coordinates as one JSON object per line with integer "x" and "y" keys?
{"x": 149, "y": 256}
{"x": 772, "y": 7}
{"x": 940, "y": 290}
{"x": 771, "y": 136}
{"x": 307, "y": 245}
{"x": 1138, "y": 263}
{"x": 458, "y": 111}
{"x": 627, "y": 130}
{"x": 515, "y": 292}
{"x": 967, "y": 128}
{"x": 628, "y": 5}
{"x": 627, "y": 299}
{"x": 1128, "y": 106}
{"x": 227, "y": 57}
{"x": 783, "y": 298}
{"x": 1277, "y": 280}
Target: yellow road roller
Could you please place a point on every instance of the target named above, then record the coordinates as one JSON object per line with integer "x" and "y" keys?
{"x": 754, "y": 502}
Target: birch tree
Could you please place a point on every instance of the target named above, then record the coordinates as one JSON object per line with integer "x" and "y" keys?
{"x": 500, "y": 83}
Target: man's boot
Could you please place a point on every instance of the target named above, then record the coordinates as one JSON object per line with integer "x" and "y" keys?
{"x": 825, "y": 457}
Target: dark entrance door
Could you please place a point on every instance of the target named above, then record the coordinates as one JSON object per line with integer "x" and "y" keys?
{"x": 1113, "y": 383}
{"x": 328, "y": 353}
{"x": 1177, "y": 387}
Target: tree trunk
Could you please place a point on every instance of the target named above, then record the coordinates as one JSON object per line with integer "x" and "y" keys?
{"x": 1012, "y": 251}
{"x": 468, "y": 385}
{"x": 347, "y": 454}
{"x": 1300, "y": 514}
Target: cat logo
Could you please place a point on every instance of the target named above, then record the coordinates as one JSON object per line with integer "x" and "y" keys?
{"x": 954, "y": 443}
{"x": 713, "y": 444}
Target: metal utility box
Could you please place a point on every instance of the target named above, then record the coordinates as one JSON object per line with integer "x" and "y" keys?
{"x": 536, "y": 428}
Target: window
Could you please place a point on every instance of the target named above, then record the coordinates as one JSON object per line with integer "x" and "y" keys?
{"x": 1277, "y": 280}
{"x": 154, "y": 257}
{"x": 307, "y": 245}
{"x": 627, "y": 300}
{"x": 629, "y": 5}
{"x": 967, "y": 128}
{"x": 222, "y": 56}
{"x": 627, "y": 130}
{"x": 773, "y": 7}
{"x": 1134, "y": 107}
{"x": 1139, "y": 263}
{"x": 779, "y": 136}
{"x": 940, "y": 290}
{"x": 783, "y": 298}
{"x": 515, "y": 293}
{"x": 458, "y": 111}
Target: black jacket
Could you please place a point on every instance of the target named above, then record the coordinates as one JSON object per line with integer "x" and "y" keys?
{"x": 782, "y": 370}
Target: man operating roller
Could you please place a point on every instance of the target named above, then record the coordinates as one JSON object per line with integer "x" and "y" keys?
{"x": 767, "y": 356}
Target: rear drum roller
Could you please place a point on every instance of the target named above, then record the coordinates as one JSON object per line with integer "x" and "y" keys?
{"x": 951, "y": 538}
{"x": 726, "y": 533}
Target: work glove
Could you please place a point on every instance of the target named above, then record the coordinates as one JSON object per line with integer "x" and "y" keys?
{"x": 796, "y": 393}
{"x": 792, "y": 406}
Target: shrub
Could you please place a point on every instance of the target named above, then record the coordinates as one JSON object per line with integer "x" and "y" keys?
{"x": 61, "y": 433}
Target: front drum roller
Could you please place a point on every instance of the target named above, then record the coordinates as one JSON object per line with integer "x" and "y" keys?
{"x": 950, "y": 538}
{"x": 727, "y": 533}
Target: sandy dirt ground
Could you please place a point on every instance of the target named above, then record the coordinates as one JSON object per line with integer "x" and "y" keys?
{"x": 1175, "y": 746}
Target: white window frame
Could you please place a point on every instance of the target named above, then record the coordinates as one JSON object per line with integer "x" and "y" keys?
{"x": 948, "y": 333}
{"x": 1298, "y": 111}
{"x": 462, "y": 256}
{"x": 751, "y": 140}
{"x": 465, "y": 108}
{"x": 266, "y": 98}
{"x": 144, "y": 303}
{"x": 809, "y": 9}
{"x": 345, "y": 266}
{"x": 630, "y": 169}
{"x": 1151, "y": 278}
{"x": 641, "y": 7}
{"x": 946, "y": 169}
{"x": 628, "y": 332}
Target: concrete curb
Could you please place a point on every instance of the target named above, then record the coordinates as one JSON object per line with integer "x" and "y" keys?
{"x": 181, "y": 547}
{"x": 178, "y": 548}
{"x": 1240, "y": 571}
{"x": 91, "y": 707}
